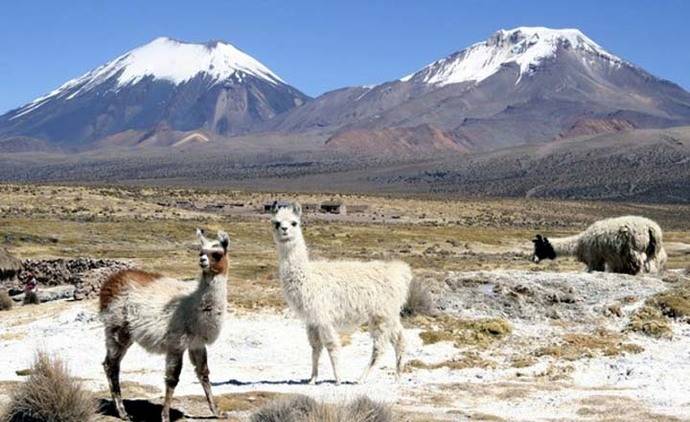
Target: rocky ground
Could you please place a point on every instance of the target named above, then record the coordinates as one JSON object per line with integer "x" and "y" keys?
{"x": 508, "y": 339}
{"x": 59, "y": 278}
{"x": 502, "y": 345}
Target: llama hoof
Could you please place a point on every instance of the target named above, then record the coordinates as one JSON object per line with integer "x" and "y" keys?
{"x": 123, "y": 415}
{"x": 312, "y": 381}
{"x": 221, "y": 415}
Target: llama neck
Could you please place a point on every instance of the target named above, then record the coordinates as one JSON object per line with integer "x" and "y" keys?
{"x": 565, "y": 245}
{"x": 213, "y": 287}
{"x": 293, "y": 258}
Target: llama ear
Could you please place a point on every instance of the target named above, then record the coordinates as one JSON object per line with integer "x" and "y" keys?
{"x": 274, "y": 207}
{"x": 200, "y": 235}
{"x": 296, "y": 208}
{"x": 224, "y": 239}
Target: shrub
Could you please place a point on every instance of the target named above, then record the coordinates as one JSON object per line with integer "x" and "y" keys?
{"x": 419, "y": 300}
{"x": 305, "y": 409}
{"x": 50, "y": 394}
{"x": 463, "y": 332}
{"x": 366, "y": 410}
{"x": 650, "y": 321}
{"x": 674, "y": 302}
{"x": 292, "y": 409}
{"x": 5, "y": 301}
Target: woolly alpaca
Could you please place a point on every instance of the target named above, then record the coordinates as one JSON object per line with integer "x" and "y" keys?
{"x": 334, "y": 295}
{"x": 166, "y": 316}
{"x": 625, "y": 245}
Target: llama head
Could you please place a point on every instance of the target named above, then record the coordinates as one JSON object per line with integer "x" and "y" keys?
{"x": 542, "y": 249}
{"x": 286, "y": 223}
{"x": 213, "y": 253}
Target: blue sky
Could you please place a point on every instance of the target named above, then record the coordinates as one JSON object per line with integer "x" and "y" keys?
{"x": 319, "y": 45}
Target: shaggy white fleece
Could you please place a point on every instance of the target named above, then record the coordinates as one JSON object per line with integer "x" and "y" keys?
{"x": 628, "y": 244}
{"x": 332, "y": 295}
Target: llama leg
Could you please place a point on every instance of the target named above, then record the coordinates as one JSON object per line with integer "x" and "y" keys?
{"x": 173, "y": 367}
{"x": 398, "y": 341}
{"x": 200, "y": 361}
{"x": 316, "y": 347}
{"x": 117, "y": 341}
{"x": 596, "y": 266}
{"x": 331, "y": 340}
{"x": 379, "y": 338}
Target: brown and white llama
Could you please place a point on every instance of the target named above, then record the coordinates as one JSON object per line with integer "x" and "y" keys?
{"x": 166, "y": 316}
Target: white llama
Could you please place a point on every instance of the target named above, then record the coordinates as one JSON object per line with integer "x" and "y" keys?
{"x": 627, "y": 245}
{"x": 334, "y": 295}
{"x": 166, "y": 316}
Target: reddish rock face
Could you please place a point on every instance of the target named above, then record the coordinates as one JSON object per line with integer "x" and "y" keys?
{"x": 405, "y": 141}
{"x": 584, "y": 127}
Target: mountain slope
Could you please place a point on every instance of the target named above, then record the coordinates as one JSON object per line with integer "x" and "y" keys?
{"x": 166, "y": 84}
{"x": 520, "y": 86}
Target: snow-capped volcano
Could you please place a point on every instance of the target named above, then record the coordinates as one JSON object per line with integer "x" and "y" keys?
{"x": 524, "y": 85}
{"x": 525, "y": 46}
{"x": 166, "y": 83}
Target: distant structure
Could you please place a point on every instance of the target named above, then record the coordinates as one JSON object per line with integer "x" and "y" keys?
{"x": 334, "y": 207}
{"x": 327, "y": 207}
{"x": 10, "y": 267}
{"x": 357, "y": 208}
{"x": 269, "y": 206}
{"x": 310, "y": 207}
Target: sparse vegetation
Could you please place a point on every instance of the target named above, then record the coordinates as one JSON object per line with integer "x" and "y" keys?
{"x": 650, "y": 321}
{"x": 6, "y": 302}
{"x": 675, "y": 302}
{"x": 435, "y": 237}
{"x": 462, "y": 332}
{"x": 576, "y": 346}
{"x": 50, "y": 394}
{"x": 523, "y": 361}
{"x": 466, "y": 360}
{"x": 305, "y": 409}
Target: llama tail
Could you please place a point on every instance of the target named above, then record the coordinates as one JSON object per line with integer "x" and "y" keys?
{"x": 652, "y": 246}
{"x": 656, "y": 255}
{"x": 420, "y": 300}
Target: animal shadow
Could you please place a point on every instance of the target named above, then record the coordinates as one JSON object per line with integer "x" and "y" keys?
{"x": 286, "y": 382}
{"x": 139, "y": 410}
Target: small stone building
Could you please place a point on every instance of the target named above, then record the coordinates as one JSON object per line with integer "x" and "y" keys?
{"x": 357, "y": 208}
{"x": 268, "y": 206}
{"x": 310, "y": 207}
{"x": 333, "y": 207}
{"x": 10, "y": 267}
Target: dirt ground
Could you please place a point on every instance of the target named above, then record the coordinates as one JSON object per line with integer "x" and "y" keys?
{"x": 511, "y": 334}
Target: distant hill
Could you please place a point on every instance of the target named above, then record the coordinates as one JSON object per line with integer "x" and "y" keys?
{"x": 529, "y": 112}
{"x": 155, "y": 95}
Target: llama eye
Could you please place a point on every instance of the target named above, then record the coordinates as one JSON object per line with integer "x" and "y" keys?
{"x": 294, "y": 224}
{"x": 277, "y": 225}
{"x": 217, "y": 256}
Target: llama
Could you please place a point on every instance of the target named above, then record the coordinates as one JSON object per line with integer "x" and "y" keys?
{"x": 166, "y": 316}
{"x": 335, "y": 295}
{"x": 627, "y": 245}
